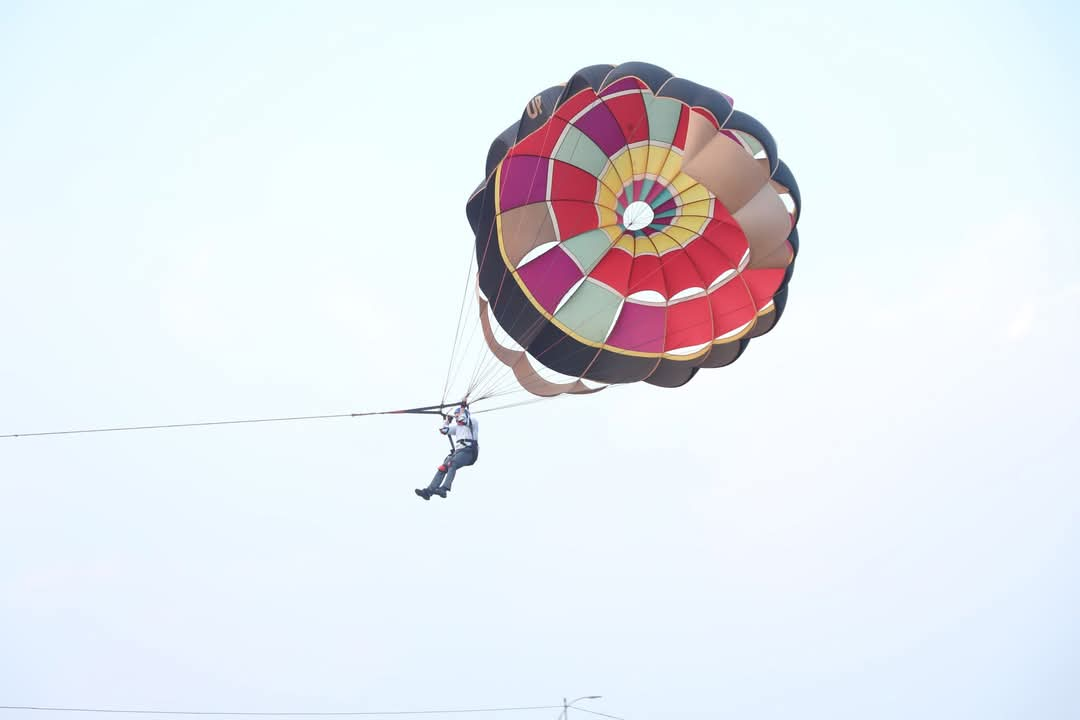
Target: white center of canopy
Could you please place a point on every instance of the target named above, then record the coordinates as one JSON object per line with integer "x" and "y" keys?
{"x": 637, "y": 215}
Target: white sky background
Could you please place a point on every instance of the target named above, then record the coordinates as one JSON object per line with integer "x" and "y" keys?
{"x": 254, "y": 209}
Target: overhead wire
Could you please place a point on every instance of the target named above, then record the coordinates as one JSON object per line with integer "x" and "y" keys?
{"x": 225, "y": 713}
{"x": 593, "y": 712}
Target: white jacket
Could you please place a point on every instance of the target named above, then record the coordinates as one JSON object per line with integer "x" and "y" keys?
{"x": 462, "y": 434}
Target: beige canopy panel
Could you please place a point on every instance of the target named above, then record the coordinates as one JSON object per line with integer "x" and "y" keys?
{"x": 744, "y": 186}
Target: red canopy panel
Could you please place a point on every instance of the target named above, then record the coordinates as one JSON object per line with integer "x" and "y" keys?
{"x": 614, "y": 270}
{"x": 541, "y": 143}
{"x": 569, "y": 182}
{"x": 646, "y": 274}
{"x": 732, "y": 307}
{"x": 574, "y": 217}
{"x": 629, "y": 111}
{"x": 689, "y": 323}
{"x": 680, "y": 273}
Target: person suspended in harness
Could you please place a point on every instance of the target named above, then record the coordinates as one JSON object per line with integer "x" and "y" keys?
{"x": 463, "y": 431}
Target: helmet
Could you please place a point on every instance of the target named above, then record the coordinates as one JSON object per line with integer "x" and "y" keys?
{"x": 461, "y": 415}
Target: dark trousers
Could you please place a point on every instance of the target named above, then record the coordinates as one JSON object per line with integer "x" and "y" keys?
{"x": 462, "y": 457}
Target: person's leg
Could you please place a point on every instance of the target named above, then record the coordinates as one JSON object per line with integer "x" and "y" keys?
{"x": 447, "y": 463}
{"x": 435, "y": 481}
{"x": 462, "y": 458}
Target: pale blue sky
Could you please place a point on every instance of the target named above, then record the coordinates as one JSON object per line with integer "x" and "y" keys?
{"x": 218, "y": 210}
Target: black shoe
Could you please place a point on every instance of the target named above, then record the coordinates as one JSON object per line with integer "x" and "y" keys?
{"x": 426, "y": 494}
{"x": 441, "y": 492}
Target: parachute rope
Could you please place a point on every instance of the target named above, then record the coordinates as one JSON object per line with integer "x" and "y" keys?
{"x": 425, "y": 410}
{"x": 450, "y": 375}
{"x": 487, "y": 366}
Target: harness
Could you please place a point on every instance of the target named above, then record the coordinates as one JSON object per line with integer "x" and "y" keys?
{"x": 470, "y": 442}
{"x": 462, "y": 444}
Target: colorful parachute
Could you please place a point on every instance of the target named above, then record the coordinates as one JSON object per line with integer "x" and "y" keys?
{"x": 632, "y": 226}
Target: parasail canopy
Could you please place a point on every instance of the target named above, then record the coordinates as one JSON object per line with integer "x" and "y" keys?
{"x": 632, "y": 226}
